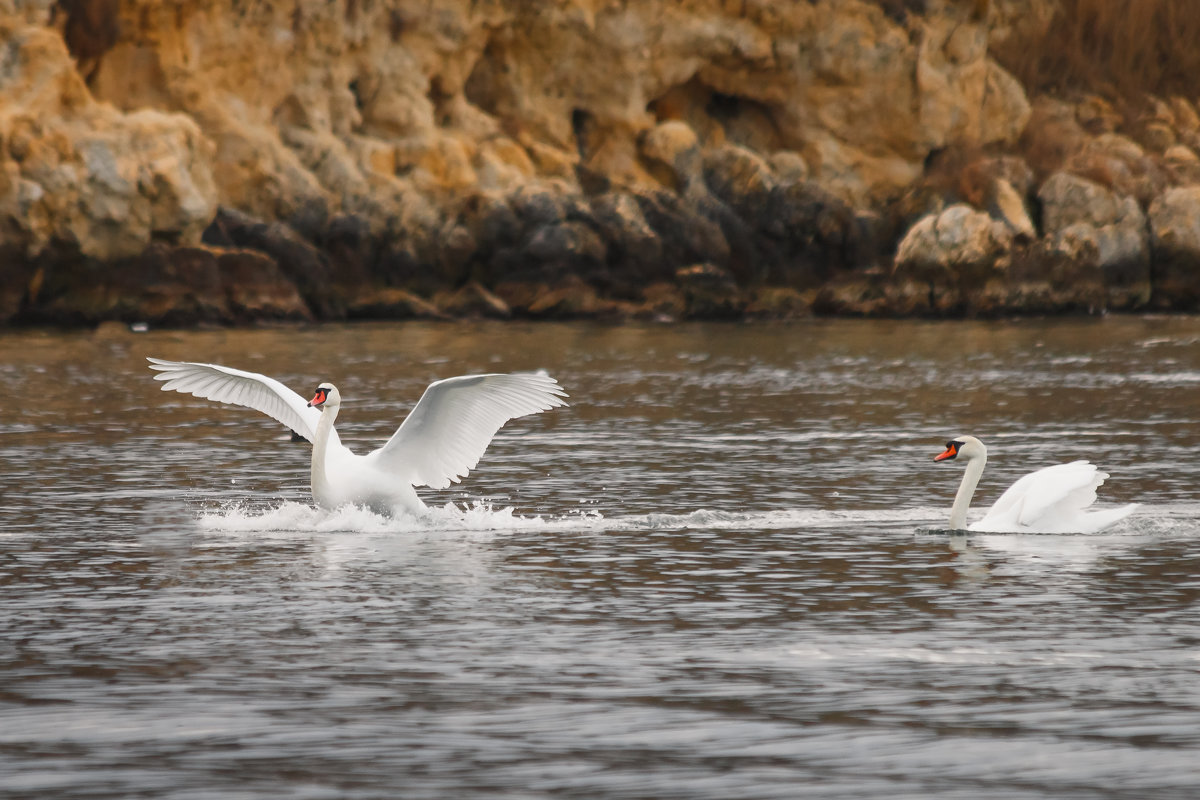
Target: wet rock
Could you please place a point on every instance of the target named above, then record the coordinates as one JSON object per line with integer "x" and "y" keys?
{"x": 568, "y": 246}
{"x": 686, "y": 237}
{"x": 166, "y": 285}
{"x": 390, "y": 303}
{"x": 347, "y": 242}
{"x": 662, "y": 302}
{"x": 870, "y": 295}
{"x": 1055, "y": 275}
{"x": 538, "y": 205}
{"x": 709, "y": 292}
{"x": 303, "y": 264}
{"x": 570, "y": 298}
{"x": 472, "y": 300}
{"x": 1175, "y": 232}
{"x": 16, "y": 276}
{"x": 635, "y": 251}
{"x": 256, "y": 288}
{"x": 778, "y": 302}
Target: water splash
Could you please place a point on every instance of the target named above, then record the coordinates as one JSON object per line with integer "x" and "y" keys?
{"x": 481, "y": 516}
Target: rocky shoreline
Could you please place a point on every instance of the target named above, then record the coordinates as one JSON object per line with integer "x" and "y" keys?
{"x": 839, "y": 158}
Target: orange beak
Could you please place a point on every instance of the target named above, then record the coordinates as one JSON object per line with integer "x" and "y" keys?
{"x": 318, "y": 399}
{"x": 951, "y": 452}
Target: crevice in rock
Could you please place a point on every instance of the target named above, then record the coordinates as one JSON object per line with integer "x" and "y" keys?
{"x": 90, "y": 29}
{"x": 583, "y": 123}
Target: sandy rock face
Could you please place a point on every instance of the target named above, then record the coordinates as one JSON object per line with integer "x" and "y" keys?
{"x": 82, "y": 176}
{"x": 544, "y": 159}
{"x": 383, "y": 108}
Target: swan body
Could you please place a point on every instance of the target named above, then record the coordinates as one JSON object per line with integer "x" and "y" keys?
{"x": 1050, "y": 500}
{"x": 440, "y": 441}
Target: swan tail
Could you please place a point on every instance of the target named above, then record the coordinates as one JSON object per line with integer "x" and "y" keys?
{"x": 1099, "y": 520}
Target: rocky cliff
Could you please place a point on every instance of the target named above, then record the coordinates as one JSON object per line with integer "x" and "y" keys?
{"x": 194, "y": 160}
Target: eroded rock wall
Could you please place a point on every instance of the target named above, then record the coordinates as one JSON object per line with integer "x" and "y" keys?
{"x": 549, "y": 158}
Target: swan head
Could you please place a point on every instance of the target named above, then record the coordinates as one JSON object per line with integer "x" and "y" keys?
{"x": 965, "y": 447}
{"x": 326, "y": 395}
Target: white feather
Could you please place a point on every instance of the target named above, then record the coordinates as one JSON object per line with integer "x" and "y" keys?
{"x": 440, "y": 441}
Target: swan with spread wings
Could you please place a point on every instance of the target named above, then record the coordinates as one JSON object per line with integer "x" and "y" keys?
{"x": 440, "y": 441}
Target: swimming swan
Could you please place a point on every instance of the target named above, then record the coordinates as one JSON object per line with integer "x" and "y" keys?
{"x": 439, "y": 442}
{"x": 1051, "y": 500}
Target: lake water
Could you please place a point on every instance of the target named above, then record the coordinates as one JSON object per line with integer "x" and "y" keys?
{"x": 715, "y": 575}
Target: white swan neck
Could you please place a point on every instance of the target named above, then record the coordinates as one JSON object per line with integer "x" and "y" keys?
{"x": 966, "y": 490}
{"x": 318, "y": 477}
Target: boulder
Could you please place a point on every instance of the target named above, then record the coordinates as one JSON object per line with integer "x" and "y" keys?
{"x": 83, "y": 176}
{"x": 709, "y": 292}
{"x": 672, "y": 152}
{"x": 1083, "y": 219}
{"x": 256, "y": 288}
{"x": 958, "y": 244}
{"x": 1175, "y": 240}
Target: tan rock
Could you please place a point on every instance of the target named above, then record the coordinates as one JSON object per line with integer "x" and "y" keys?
{"x": 1008, "y": 206}
{"x": 959, "y": 241}
{"x": 84, "y": 175}
{"x": 316, "y": 103}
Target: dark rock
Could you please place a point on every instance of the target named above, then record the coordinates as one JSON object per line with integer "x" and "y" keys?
{"x": 390, "y": 303}
{"x": 535, "y": 206}
{"x": 456, "y": 247}
{"x": 686, "y": 237}
{"x": 569, "y": 298}
{"x": 573, "y": 245}
{"x": 871, "y": 294}
{"x": 634, "y": 250}
{"x": 350, "y": 247}
{"x": 709, "y": 292}
{"x": 662, "y": 302}
{"x": 397, "y": 264}
{"x": 741, "y": 179}
{"x": 17, "y": 276}
{"x": 256, "y": 289}
{"x": 306, "y": 266}
{"x": 814, "y": 232}
{"x": 164, "y": 285}
{"x": 1175, "y": 238}
{"x": 492, "y": 221}
{"x": 472, "y": 300}
{"x": 778, "y": 302}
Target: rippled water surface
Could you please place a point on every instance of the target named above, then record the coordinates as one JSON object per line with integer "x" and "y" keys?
{"x": 716, "y": 575}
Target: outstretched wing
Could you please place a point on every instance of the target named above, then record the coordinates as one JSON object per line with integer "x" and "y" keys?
{"x": 233, "y": 386}
{"x": 446, "y": 433}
